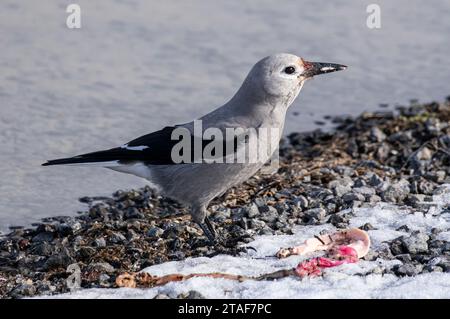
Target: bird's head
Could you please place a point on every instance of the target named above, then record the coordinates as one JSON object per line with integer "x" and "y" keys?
{"x": 282, "y": 75}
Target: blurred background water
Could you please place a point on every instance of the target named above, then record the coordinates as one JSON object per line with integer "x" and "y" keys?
{"x": 135, "y": 66}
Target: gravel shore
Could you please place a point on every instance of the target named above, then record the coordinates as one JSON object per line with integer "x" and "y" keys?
{"x": 400, "y": 157}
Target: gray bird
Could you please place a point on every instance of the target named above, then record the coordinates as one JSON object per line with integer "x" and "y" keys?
{"x": 260, "y": 103}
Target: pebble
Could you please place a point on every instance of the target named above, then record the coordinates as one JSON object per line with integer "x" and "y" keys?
{"x": 315, "y": 215}
{"x": 377, "y": 135}
{"x": 396, "y": 192}
{"x": 375, "y": 180}
{"x": 155, "y": 232}
{"x": 133, "y": 213}
{"x": 117, "y": 238}
{"x": 161, "y": 296}
{"x": 367, "y": 227}
{"x": 58, "y": 260}
{"x": 352, "y": 197}
{"x": 103, "y": 267}
{"x": 43, "y": 237}
{"x": 252, "y": 211}
{"x": 23, "y": 290}
{"x": 99, "y": 242}
{"x": 405, "y": 270}
{"x": 192, "y": 294}
{"x": 416, "y": 243}
{"x": 301, "y": 202}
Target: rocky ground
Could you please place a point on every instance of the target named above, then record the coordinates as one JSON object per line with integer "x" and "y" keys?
{"x": 399, "y": 157}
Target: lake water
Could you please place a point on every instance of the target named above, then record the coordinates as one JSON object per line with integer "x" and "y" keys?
{"x": 135, "y": 66}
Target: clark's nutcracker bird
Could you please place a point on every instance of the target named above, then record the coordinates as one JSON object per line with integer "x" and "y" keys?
{"x": 261, "y": 102}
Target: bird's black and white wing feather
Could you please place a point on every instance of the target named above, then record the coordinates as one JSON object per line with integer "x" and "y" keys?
{"x": 151, "y": 149}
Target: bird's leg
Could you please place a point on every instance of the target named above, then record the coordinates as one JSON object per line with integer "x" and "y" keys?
{"x": 211, "y": 236}
{"x": 199, "y": 215}
{"x": 210, "y": 226}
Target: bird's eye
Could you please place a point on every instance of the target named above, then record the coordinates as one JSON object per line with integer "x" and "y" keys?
{"x": 289, "y": 70}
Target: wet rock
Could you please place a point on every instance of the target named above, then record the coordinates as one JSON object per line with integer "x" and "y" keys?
{"x": 98, "y": 212}
{"x": 339, "y": 220}
{"x": 404, "y": 228}
{"x": 426, "y": 187}
{"x": 43, "y": 237}
{"x": 414, "y": 200}
{"x": 433, "y": 126}
{"x": 117, "y": 238}
{"x": 383, "y": 152}
{"x": 396, "y": 247}
{"x": 352, "y": 197}
{"x": 375, "y": 180}
{"x": 192, "y": 294}
{"x": 367, "y": 192}
{"x": 256, "y": 224}
{"x": 133, "y": 213}
{"x": 315, "y": 215}
{"x": 360, "y": 182}
{"x": 372, "y": 255}
{"x": 252, "y": 211}
{"x": 173, "y": 231}
{"x": 441, "y": 190}
{"x": 86, "y": 252}
{"x": 343, "y": 181}
{"x": 405, "y": 270}
{"x": 155, "y": 232}
{"x": 99, "y": 242}
{"x": 23, "y": 290}
{"x": 301, "y": 202}
{"x": 428, "y": 269}
{"x": 367, "y": 227}
{"x": 64, "y": 230}
{"x": 268, "y": 213}
{"x": 440, "y": 261}
{"x": 377, "y": 135}
{"x": 42, "y": 249}
{"x": 346, "y": 171}
{"x": 104, "y": 280}
{"x": 340, "y": 186}
{"x": 401, "y": 137}
{"x": 340, "y": 190}
{"x": 397, "y": 192}
{"x": 424, "y": 154}
{"x": 259, "y": 202}
{"x": 374, "y": 199}
{"x": 404, "y": 258}
{"x": 102, "y": 267}
{"x": 161, "y": 296}
{"x": 436, "y": 176}
{"x": 416, "y": 243}
{"x": 221, "y": 216}
{"x": 58, "y": 260}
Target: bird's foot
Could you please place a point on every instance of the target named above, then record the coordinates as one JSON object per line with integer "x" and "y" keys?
{"x": 209, "y": 231}
{"x": 210, "y": 226}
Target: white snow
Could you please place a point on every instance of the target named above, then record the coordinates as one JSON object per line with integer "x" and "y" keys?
{"x": 341, "y": 282}
{"x": 435, "y": 285}
{"x": 444, "y": 236}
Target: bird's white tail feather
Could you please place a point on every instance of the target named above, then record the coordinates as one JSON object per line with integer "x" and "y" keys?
{"x": 97, "y": 164}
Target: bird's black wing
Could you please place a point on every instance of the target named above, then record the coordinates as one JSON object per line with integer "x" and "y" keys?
{"x": 152, "y": 149}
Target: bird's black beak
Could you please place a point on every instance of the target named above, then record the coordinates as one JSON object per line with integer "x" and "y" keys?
{"x": 316, "y": 68}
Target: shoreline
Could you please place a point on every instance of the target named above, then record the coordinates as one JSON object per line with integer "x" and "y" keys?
{"x": 401, "y": 158}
